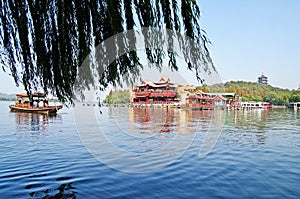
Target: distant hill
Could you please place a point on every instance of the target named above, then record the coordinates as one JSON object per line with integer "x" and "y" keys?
{"x": 9, "y": 97}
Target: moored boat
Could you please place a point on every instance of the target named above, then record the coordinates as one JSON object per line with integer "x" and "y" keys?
{"x": 294, "y": 105}
{"x": 37, "y": 103}
{"x": 256, "y": 105}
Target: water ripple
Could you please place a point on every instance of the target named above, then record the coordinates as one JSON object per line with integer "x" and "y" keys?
{"x": 256, "y": 156}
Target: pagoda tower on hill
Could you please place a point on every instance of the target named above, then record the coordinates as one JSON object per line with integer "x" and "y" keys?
{"x": 263, "y": 79}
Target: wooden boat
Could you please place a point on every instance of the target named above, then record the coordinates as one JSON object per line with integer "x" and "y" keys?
{"x": 294, "y": 105}
{"x": 256, "y": 105}
{"x": 200, "y": 101}
{"x": 38, "y": 103}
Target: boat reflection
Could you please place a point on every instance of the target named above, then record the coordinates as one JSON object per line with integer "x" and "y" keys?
{"x": 33, "y": 122}
{"x": 253, "y": 118}
{"x": 250, "y": 125}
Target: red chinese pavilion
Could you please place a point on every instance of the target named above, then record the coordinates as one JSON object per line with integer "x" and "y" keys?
{"x": 161, "y": 92}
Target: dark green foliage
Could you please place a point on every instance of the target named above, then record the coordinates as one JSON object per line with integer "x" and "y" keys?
{"x": 45, "y": 42}
{"x": 295, "y": 96}
{"x": 251, "y": 91}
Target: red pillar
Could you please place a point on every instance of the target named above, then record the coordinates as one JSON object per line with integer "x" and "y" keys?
{"x": 167, "y": 99}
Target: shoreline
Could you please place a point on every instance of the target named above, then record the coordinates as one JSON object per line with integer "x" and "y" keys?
{"x": 180, "y": 106}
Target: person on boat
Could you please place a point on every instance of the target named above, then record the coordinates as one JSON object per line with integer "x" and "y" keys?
{"x": 41, "y": 104}
{"x": 30, "y": 101}
{"x": 45, "y": 103}
{"x": 34, "y": 104}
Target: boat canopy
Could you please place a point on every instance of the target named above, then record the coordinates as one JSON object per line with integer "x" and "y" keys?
{"x": 39, "y": 95}
{"x": 36, "y": 95}
{"x": 22, "y": 95}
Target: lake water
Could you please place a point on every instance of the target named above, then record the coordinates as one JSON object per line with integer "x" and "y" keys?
{"x": 150, "y": 153}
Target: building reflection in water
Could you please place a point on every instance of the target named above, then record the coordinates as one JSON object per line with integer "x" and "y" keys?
{"x": 169, "y": 119}
{"x": 160, "y": 126}
{"x": 156, "y": 125}
{"x": 172, "y": 120}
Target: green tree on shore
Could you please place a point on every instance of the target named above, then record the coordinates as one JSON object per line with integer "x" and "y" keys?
{"x": 117, "y": 97}
{"x": 295, "y": 97}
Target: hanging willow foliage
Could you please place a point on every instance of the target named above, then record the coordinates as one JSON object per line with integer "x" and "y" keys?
{"x": 43, "y": 43}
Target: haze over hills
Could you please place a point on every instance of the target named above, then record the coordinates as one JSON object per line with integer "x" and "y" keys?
{"x": 7, "y": 96}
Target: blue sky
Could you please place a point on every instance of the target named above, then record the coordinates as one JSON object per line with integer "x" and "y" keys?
{"x": 248, "y": 37}
{"x": 254, "y": 36}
